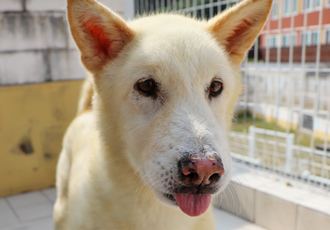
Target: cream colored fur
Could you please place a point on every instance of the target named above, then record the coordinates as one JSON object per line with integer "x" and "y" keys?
{"x": 115, "y": 156}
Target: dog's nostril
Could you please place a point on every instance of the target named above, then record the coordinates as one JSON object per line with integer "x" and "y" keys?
{"x": 198, "y": 171}
{"x": 214, "y": 178}
{"x": 193, "y": 176}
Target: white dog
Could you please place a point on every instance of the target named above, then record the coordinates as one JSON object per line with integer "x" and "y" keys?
{"x": 153, "y": 148}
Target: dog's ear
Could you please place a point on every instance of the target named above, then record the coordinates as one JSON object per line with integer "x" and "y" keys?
{"x": 100, "y": 34}
{"x": 237, "y": 28}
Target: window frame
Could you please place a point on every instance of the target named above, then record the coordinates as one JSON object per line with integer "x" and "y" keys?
{"x": 272, "y": 41}
{"x": 290, "y": 38}
{"x": 312, "y": 33}
{"x": 286, "y": 6}
{"x": 291, "y": 10}
{"x": 327, "y": 36}
{"x": 273, "y": 7}
{"x": 312, "y": 5}
{"x": 303, "y": 36}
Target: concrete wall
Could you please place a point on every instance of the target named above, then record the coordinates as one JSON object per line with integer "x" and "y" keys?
{"x": 36, "y": 47}
{"x": 35, "y": 44}
{"x": 274, "y": 204}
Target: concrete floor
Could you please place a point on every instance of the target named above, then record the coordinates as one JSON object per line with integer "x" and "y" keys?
{"x": 33, "y": 211}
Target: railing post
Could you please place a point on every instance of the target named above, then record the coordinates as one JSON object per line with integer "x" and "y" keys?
{"x": 252, "y": 135}
{"x": 289, "y": 153}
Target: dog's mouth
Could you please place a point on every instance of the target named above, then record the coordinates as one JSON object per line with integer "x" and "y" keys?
{"x": 171, "y": 198}
{"x": 191, "y": 204}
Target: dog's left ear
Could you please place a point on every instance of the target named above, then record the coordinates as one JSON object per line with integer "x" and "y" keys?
{"x": 237, "y": 28}
{"x": 99, "y": 33}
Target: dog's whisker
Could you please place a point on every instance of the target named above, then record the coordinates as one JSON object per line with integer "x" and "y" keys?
{"x": 114, "y": 159}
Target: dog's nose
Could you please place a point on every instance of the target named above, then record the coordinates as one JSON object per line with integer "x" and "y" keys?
{"x": 201, "y": 171}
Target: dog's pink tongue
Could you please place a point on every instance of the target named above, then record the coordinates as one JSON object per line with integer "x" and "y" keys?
{"x": 192, "y": 204}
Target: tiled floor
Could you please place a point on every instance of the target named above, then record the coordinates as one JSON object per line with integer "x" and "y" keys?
{"x": 33, "y": 211}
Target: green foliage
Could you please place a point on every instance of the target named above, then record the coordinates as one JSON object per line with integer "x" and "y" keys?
{"x": 243, "y": 121}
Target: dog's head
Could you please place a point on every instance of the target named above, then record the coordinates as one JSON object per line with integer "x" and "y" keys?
{"x": 165, "y": 89}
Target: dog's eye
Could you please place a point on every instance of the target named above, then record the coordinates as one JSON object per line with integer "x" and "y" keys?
{"x": 215, "y": 88}
{"x": 147, "y": 87}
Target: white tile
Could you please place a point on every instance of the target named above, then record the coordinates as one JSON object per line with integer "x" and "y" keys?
{"x": 34, "y": 211}
{"x": 23, "y": 67}
{"x": 274, "y": 213}
{"x": 50, "y": 193}
{"x": 18, "y": 226}
{"x": 7, "y": 218}
{"x": 23, "y": 227}
{"x": 285, "y": 192}
{"x": 44, "y": 224}
{"x": 117, "y": 6}
{"x": 226, "y": 221}
{"x": 33, "y": 31}
{"x": 4, "y": 207}
{"x": 66, "y": 65}
{"x": 317, "y": 202}
{"x": 250, "y": 227}
{"x": 11, "y": 5}
{"x": 46, "y": 5}
{"x": 40, "y": 66}
{"x": 310, "y": 219}
{"x": 253, "y": 181}
{"x": 238, "y": 200}
{"x": 26, "y": 199}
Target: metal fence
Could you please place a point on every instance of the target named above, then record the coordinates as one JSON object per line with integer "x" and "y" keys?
{"x": 283, "y": 116}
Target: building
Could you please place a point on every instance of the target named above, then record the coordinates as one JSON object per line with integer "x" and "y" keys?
{"x": 297, "y": 26}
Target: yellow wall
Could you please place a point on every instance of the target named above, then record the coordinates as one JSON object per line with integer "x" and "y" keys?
{"x": 36, "y": 116}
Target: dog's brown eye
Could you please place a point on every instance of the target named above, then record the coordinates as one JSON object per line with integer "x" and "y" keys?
{"x": 147, "y": 87}
{"x": 215, "y": 88}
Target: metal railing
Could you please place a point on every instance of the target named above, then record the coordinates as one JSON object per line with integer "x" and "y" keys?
{"x": 286, "y": 90}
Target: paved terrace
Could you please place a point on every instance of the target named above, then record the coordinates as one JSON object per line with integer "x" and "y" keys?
{"x": 34, "y": 210}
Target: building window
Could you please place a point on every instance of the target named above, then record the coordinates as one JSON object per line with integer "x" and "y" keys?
{"x": 286, "y": 7}
{"x": 311, "y": 4}
{"x": 307, "y": 4}
{"x": 295, "y": 6}
{"x": 314, "y": 38}
{"x": 316, "y": 3}
{"x": 294, "y": 39}
{"x": 327, "y": 36}
{"x": 289, "y": 6}
{"x": 311, "y": 38}
{"x": 272, "y": 41}
{"x": 289, "y": 39}
{"x": 275, "y": 10}
{"x": 305, "y": 39}
{"x": 285, "y": 41}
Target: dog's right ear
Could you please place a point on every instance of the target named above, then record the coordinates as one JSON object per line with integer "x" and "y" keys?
{"x": 100, "y": 34}
{"x": 237, "y": 28}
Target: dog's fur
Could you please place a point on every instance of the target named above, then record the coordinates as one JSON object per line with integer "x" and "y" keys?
{"x": 121, "y": 156}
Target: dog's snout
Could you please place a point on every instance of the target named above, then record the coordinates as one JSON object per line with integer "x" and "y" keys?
{"x": 201, "y": 171}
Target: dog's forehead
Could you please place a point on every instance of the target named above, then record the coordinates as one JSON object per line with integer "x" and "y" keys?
{"x": 175, "y": 46}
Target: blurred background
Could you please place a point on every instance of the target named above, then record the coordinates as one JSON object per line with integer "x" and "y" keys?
{"x": 280, "y": 140}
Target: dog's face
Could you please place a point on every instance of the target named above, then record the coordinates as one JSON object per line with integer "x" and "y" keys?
{"x": 178, "y": 94}
{"x": 165, "y": 88}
